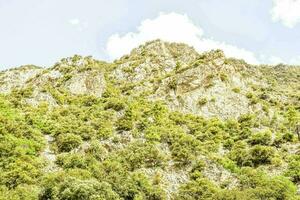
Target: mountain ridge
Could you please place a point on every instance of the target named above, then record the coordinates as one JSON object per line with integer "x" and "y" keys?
{"x": 158, "y": 67}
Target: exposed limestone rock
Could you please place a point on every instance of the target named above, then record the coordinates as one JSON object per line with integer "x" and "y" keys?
{"x": 16, "y": 78}
{"x": 219, "y": 175}
{"x": 37, "y": 97}
{"x": 49, "y": 155}
{"x": 47, "y": 76}
{"x": 183, "y": 80}
{"x": 184, "y": 91}
{"x": 171, "y": 179}
{"x": 154, "y": 59}
{"x": 91, "y": 83}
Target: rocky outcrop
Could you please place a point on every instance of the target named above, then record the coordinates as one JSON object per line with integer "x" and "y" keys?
{"x": 89, "y": 83}
{"x": 17, "y": 78}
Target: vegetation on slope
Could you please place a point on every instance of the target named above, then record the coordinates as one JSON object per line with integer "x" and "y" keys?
{"x": 124, "y": 144}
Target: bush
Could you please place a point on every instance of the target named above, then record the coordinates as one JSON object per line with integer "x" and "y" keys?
{"x": 153, "y": 133}
{"x": 20, "y": 172}
{"x": 239, "y": 154}
{"x": 114, "y": 103}
{"x": 247, "y": 120}
{"x": 125, "y": 123}
{"x": 202, "y": 102}
{"x": 24, "y": 191}
{"x": 68, "y": 142}
{"x": 260, "y": 186}
{"x": 184, "y": 149}
{"x": 172, "y": 84}
{"x": 198, "y": 167}
{"x": 261, "y": 155}
{"x": 224, "y": 77}
{"x": 262, "y": 138}
{"x": 140, "y": 154}
{"x": 236, "y": 90}
{"x": 293, "y": 171}
{"x": 200, "y": 188}
{"x": 71, "y": 160}
{"x": 97, "y": 150}
{"x": 74, "y": 188}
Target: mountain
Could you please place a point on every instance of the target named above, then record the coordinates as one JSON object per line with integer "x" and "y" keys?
{"x": 163, "y": 122}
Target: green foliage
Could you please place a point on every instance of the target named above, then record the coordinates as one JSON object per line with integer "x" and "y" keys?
{"x": 86, "y": 189}
{"x": 263, "y": 138}
{"x": 21, "y": 192}
{"x": 224, "y": 77}
{"x": 184, "y": 149}
{"x": 252, "y": 97}
{"x": 254, "y": 156}
{"x": 64, "y": 186}
{"x": 97, "y": 151}
{"x": 260, "y": 155}
{"x": 115, "y": 103}
{"x": 261, "y": 186}
{"x": 236, "y": 90}
{"x": 68, "y": 161}
{"x": 293, "y": 170}
{"x": 67, "y": 142}
{"x": 197, "y": 189}
{"x": 140, "y": 154}
{"x": 292, "y": 117}
{"x": 202, "y": 102}
{"x": 125, "y": 123}
{"x": 173, "y": 84}
{"x": 19, "y": 148}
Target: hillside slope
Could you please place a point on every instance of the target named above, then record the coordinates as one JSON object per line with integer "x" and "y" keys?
{"x": 163, "y": 122}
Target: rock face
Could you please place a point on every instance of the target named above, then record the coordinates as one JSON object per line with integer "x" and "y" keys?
{"x": 198, "y": 92}
{"x": 17, "y": 78}
{"x": 207, "y": 84}
{"x": 89, "y": 83}
{"x": 37, "y": 97}
{"x": 154, "y": 59}
{"x": 77, "y": 80}
{"x": 49, "y": 155}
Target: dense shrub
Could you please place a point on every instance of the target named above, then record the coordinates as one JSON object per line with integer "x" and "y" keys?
{"x": 293, "y": 170}
{"x": 114, "y": 103}
{"x": 86, "y": 189}
{"x": 261, "y": 186}
{"x": 67, "y": 142}
{"x": 140, "y": 154}
{"x": 197, "y": 189}
{"x": 262, "y": 138}
{"x": 260, "y": 155}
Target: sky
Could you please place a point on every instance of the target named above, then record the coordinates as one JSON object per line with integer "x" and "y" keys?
{"x": 41, "y": 32}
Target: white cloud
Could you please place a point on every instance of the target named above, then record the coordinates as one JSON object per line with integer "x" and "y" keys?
{"x": 78, "y": 24}
{"x": 74, "y": 22}
{"x": 274, "y": 60}
{"x": 286, "y": 11}
{"x": 295, "y": 61}
{"x": 172, "y": 27}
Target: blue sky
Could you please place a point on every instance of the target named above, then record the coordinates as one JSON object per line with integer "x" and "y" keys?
{"x": 42, "y": 32}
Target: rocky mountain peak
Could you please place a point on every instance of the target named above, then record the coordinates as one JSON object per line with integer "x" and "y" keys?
{"x": 207, "y": 84}
{"x": 162, "y": 49}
